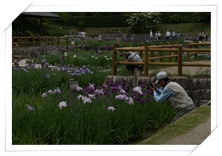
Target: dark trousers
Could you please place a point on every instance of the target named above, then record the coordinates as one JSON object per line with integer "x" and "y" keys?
{"x": 183, "y": 112}
{"x": 131, "y": 67}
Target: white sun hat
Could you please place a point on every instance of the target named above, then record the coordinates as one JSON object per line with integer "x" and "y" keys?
{"x": 161, "y": 75}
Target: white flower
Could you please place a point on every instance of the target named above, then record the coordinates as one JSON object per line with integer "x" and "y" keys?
{"x": 80, "y": 97}
{"x": 44, "y": 95}
{"x": 138, "y": 89}
{"x": 91, "y": 96}
{"x": 111, "y": 108}
{"x": 122, "y": 91}
{"x": 129, "y": 100}
{"x": 99, "y": 92}
{"x": 78, "y": 88}
{"x": 87, "y": 100}
{"x": 120, "y": 97}
{"x": 50, "y": 92}
{"x": 62, "y": 104}
{"x": 30, "y": 108}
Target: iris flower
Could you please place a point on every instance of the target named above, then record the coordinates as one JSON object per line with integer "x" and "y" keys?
{"x": 50, "y": 92}
{"x": 85, "y": 100}
{"x": 48, "y": 75}
{"x": 110, "y": 108}
{"x": 44, "y": 95}
{"x": 129, "y": 100}
{"x": 91, "y": 86}
{"x": 78, "y": 89}
{"x": 138, "y": 89}
{"x": 62, "y": 104}
{"x": 30, "y": 108}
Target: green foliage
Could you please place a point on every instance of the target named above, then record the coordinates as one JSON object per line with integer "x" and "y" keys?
{"x": 144, "y": 19}
{"x": 64, "y": 18}
{"x": 201, "y": 16}
{"x": 185, "y": 17}
{"x": 100, "y": 21}
{"x": 81, "y": 24}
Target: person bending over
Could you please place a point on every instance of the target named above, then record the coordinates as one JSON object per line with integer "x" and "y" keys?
{"x": 132, "y": 57}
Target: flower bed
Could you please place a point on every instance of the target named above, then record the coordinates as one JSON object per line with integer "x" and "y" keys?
{"x": 109, "y": 114}
{"x": 114, "y": 113}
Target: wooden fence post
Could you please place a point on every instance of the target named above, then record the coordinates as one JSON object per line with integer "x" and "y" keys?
{"x": 146, "y": 61}
{"x": 52, "y": 40}
{"x": 33, "y": 41}
{"x": 179, "y": 60}
{"x": 26, "y": 41}
{"x": 136, "y": 75}
{"x": 39, "y": 41}
{"x": 46, "y": 40}
{"x": 20, "y": 41}
{"x": 161, "y": 54}
{"x": 114, "y": 61}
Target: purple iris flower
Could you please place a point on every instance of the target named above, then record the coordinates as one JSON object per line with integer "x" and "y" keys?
{"x": 48, "y": 75}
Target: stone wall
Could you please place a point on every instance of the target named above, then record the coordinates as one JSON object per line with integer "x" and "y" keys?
{"x": 34, "y": 52}
{"x": 198, "y": 89}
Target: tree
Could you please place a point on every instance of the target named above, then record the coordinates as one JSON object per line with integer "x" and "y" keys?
{"x": 202, "y": 16}
{"x": 144, "y": 19}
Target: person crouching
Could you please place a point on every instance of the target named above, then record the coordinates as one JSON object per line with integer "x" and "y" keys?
{"x": 173, "y": 92}
{"x": 132, "y": 57}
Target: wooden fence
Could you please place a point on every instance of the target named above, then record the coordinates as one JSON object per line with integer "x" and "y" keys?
{"x": 43, "y": 40}
{"x": 174, "y": 52}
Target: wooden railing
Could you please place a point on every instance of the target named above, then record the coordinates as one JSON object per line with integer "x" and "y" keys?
{"x": 147, "y": 53}
{"x": 43, "y": 40}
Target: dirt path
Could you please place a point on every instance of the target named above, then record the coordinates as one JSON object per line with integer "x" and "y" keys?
{"x": 187, "y": 70}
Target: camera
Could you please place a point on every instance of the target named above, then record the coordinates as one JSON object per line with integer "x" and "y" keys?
{"x": 150, "y": 85}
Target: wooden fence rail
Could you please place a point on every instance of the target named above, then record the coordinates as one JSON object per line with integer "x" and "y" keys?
{"x": 43, "y": 40}
{"x": 175, "y": 52}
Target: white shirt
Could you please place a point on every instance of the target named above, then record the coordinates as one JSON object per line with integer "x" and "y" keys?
{"x": 168, "y": 33}
{"x": 151, "y": 33}
{"x": 83, "y": 34}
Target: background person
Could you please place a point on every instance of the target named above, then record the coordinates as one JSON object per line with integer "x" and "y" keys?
{"x": 176, "y": 94}
{"x": 132, "y": 57}
{"x": 178, "y": 35}
{"x": 83, "y": 37}
{"x": 100, "y": 37}
{"x": 159, "y": 35}
{"x": 167, "y": 35}
{"x": 151, "y": 34}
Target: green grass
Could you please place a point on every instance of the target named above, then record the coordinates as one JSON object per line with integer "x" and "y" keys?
{"x": 181, "y": 126}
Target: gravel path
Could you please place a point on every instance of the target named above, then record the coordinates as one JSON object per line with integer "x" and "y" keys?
{"x": 195, "y": 137}
{"x": 188, "y": 70}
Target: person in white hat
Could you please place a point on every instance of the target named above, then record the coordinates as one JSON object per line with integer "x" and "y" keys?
{"x": 132, "y": 57}
{"x": 176, "y": 94}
